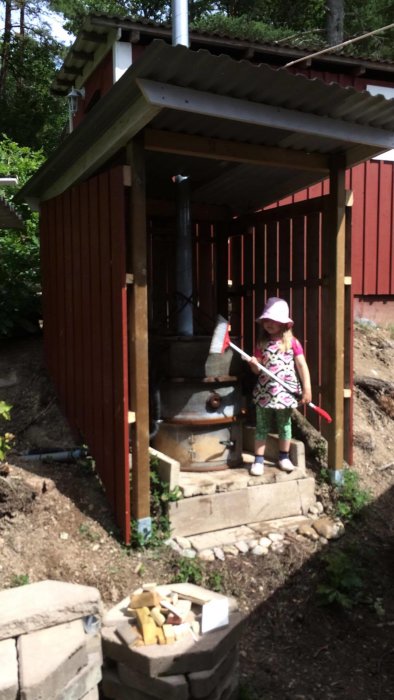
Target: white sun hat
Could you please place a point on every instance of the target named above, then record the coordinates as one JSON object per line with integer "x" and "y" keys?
{"x": 276, "y": 310}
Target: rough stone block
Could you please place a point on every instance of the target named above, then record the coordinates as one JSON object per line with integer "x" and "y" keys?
{"x": 9, "y": 684}
{"x": 297, "y": 447}
{"x": 181, "y": 657}
{"x": 45, "y": 604}
{"x": 223, "y": 510}
{"x": 113, "y": 689}
{"x": 202, "y": 683}
{"x": 165, "y": 687}
{"x": 93, "y": 694}
{"x": 86, "y": 680}
{"x": 50, "y": 658}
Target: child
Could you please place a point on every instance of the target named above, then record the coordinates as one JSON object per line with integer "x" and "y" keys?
{"x": 281, "y": 353}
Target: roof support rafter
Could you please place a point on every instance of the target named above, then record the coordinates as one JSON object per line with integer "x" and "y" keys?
{"x": 183, "y": 99}
{"x": 218, "y": 149}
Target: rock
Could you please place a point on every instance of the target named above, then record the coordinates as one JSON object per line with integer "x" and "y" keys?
{"x": 265, "y": 542}
{"x": 183, "y": 542}
{"x": 320, "y": 507}
{"x": 219, "y": 554}
{"x": 231, "y": 550}
{"x": 307, "y": 530}
{"x": 174, "y": 546}
{"x": 328, "y": 528}
{"x": 206, "y": 555}
{"x": 276, "y": 536}
{"x": 189, "y": 553}
{"x": 259, "y": 551}
{"x": 242, "y": 547}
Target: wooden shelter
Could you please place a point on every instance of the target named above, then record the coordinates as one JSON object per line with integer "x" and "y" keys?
{"x": 245, "y": 136}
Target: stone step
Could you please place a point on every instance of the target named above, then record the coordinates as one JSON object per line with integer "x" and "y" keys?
{"x": 272, "y": 496}
{"x": 231, "y": 535}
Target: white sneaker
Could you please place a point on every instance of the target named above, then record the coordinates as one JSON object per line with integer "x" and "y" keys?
{"x": 257, "y": 469}
{"x": 286, "y": 465}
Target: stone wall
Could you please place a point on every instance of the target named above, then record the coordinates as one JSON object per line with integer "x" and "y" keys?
{"x": 50, "y": 645}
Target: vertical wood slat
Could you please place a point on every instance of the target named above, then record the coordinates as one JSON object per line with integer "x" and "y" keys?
{"x": 235, "y": 275}
{"x": 260, "y": 271}
{"x": 86, "y": 334}
{"x": 248, "y": 283}
{"x": 120, "y": 354}
{"x": 77, "y": 307}
{"x": 96, "y": 347}
{"x": 107, "y": 330}
{"x": 385, "y": 228}
{"x": 313, "y": 331}
{"x": 86, "y": 244}
{"x": 371, "y": 219}
{"x": 349, "y": 335}
{"x": 138, "y": 335}
{"x": 333, "y": 311}
{"x": 204, "y": 275}
{"x": 69, "y": 356}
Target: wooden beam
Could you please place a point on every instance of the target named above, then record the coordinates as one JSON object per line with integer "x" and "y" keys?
{"x": 184, "y": 99}
{"x": 107, "y": 144}
{"x": 334, "y": 316}
{"x": 138, "y": 335}
{"x": 218, "y": 149}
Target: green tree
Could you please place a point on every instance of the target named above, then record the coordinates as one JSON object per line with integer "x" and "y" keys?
{"x": 19, "y": 250}
{"x": 30, "y": 115}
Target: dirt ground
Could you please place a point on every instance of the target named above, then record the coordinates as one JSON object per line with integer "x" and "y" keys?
{"x": 54, "y": 523}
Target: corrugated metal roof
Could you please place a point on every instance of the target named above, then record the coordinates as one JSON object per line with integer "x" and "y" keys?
{"x": 216, "y": 82}
{"x": 97, "y": 25}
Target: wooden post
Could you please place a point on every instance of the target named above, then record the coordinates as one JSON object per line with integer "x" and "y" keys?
{"x": 138, "y": 340}
{"x": 333, "y": 309}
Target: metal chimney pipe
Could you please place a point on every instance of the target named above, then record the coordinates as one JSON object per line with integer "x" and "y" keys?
{"x": 184, "y": 261}
{"x": 180, "y": 22}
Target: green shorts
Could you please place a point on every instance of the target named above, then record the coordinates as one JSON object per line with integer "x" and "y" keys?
{"x": 279, "y": 417}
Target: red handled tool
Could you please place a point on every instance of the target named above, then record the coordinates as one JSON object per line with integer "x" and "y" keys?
{"x": 221, "y": 341}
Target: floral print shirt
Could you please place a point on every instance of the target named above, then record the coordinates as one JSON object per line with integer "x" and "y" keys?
{"x": 268, "y": 393}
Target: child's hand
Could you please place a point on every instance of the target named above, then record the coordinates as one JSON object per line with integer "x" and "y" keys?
{"x": 254, "y": 365}
{"x": 306, "y": 396}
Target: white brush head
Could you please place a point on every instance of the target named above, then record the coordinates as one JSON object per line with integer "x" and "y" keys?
{"x": 220, "y": 338}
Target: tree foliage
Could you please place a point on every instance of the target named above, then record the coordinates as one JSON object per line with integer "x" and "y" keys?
{"x": 19, "y": 250}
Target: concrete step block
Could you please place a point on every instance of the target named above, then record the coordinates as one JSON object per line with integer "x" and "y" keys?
{"x": 202, "y": 514}
{"x": 86, "y": 680}
{"x": 202, "y": 683}
{"x": 183, "y": 656}
{"x": 297, "y": 448}
{"x": 113, "y": 689}
{"x": 50, "y": 658}
{"x": 45, "y": 604}
{"x": 9, "y": 683}
{"x": 163, "y": 688}
{"x": 220, "y": 538}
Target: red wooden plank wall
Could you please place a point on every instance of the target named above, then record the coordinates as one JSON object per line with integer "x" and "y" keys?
{"x": 85, "y": 323}
{"x": 285, "y": 247}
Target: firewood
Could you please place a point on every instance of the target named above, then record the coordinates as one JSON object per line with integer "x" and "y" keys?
{"x": 146, "y": 599}
{"x": 147, "y": 625}
{"x": 169, "y": 634}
